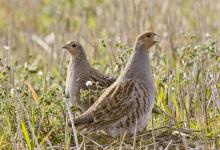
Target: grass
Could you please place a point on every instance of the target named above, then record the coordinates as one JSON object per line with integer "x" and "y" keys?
{"x": 186, "y": 70}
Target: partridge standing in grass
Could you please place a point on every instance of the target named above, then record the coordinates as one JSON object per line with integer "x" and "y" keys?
{"x": 81, "y": 76}
{"x": 126, "y": 105}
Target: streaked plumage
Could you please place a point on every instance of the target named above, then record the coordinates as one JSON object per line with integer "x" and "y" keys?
{"x": 79, "y": 73}
{"x": 127, "y": 103}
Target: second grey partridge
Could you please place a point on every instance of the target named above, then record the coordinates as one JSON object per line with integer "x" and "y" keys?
{"x": 81, "y": 76}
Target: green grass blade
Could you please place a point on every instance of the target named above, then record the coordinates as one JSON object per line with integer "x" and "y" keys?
{"x": 26, "y": 135}
{"x": 44, "y": 139}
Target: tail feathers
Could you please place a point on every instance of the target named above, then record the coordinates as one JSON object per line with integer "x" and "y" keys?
{"x": 82, "y": 121}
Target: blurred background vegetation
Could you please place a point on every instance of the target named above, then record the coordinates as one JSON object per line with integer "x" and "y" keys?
{"x": 186, "y": 69}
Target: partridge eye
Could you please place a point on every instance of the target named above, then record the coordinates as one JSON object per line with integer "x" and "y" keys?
{"x": 73, "y": 45}
{"x": 148, "y": 35}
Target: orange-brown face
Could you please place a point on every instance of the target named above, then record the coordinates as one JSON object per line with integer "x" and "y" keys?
{"x": 75, "y": 48}
{"x": 147, "y": 39}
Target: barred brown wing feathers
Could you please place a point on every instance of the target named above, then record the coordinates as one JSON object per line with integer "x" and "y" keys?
{"x": 102, "y": 81}
{"x": 118, "y": 104}
{"x": 99, "y": 81}
{"x": 125, "y": 99}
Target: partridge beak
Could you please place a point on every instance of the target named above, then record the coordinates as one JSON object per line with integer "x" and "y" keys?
{"x": 157, "y": 38}
{"x": 64, "y": 46}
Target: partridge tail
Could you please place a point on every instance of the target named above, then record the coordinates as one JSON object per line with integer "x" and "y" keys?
{"x": 82, "y": 121}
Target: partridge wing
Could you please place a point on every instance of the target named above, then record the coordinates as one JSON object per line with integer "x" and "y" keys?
{"x": 102, "y": 80}
{"x": 95, "y": 81}
{"x": 119, "y": 100}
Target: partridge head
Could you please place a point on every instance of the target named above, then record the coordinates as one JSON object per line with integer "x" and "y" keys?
{"x": 146, "y": 40}
{"x": 74, "y": 48}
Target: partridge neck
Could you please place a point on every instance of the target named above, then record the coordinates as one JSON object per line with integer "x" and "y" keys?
{"x": 80, "y": 62}
{"x": 138, "y": 67}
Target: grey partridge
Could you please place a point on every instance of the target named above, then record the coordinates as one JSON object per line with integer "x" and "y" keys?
{"x": 126, "y": 105}
{"x": 81, "y": 76}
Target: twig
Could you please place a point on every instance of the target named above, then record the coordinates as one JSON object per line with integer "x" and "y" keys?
{"x": 91, "y": 140}
{"x": 168, "y": 145}
{"x": 123, "y": 138}
{"x": 135, "y": 134}
{"x": 72, "y": 123}
{"x": 153, "y": 133}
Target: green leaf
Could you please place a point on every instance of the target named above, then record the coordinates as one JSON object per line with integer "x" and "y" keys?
{"x": 174, "y": 101}
{"x": 91, "y": 22}
{"x": 44, "y": 139}
{"x": 33, "y": 125}
{"x": 26, "y": 135}
{"x": 2, "y": 23}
